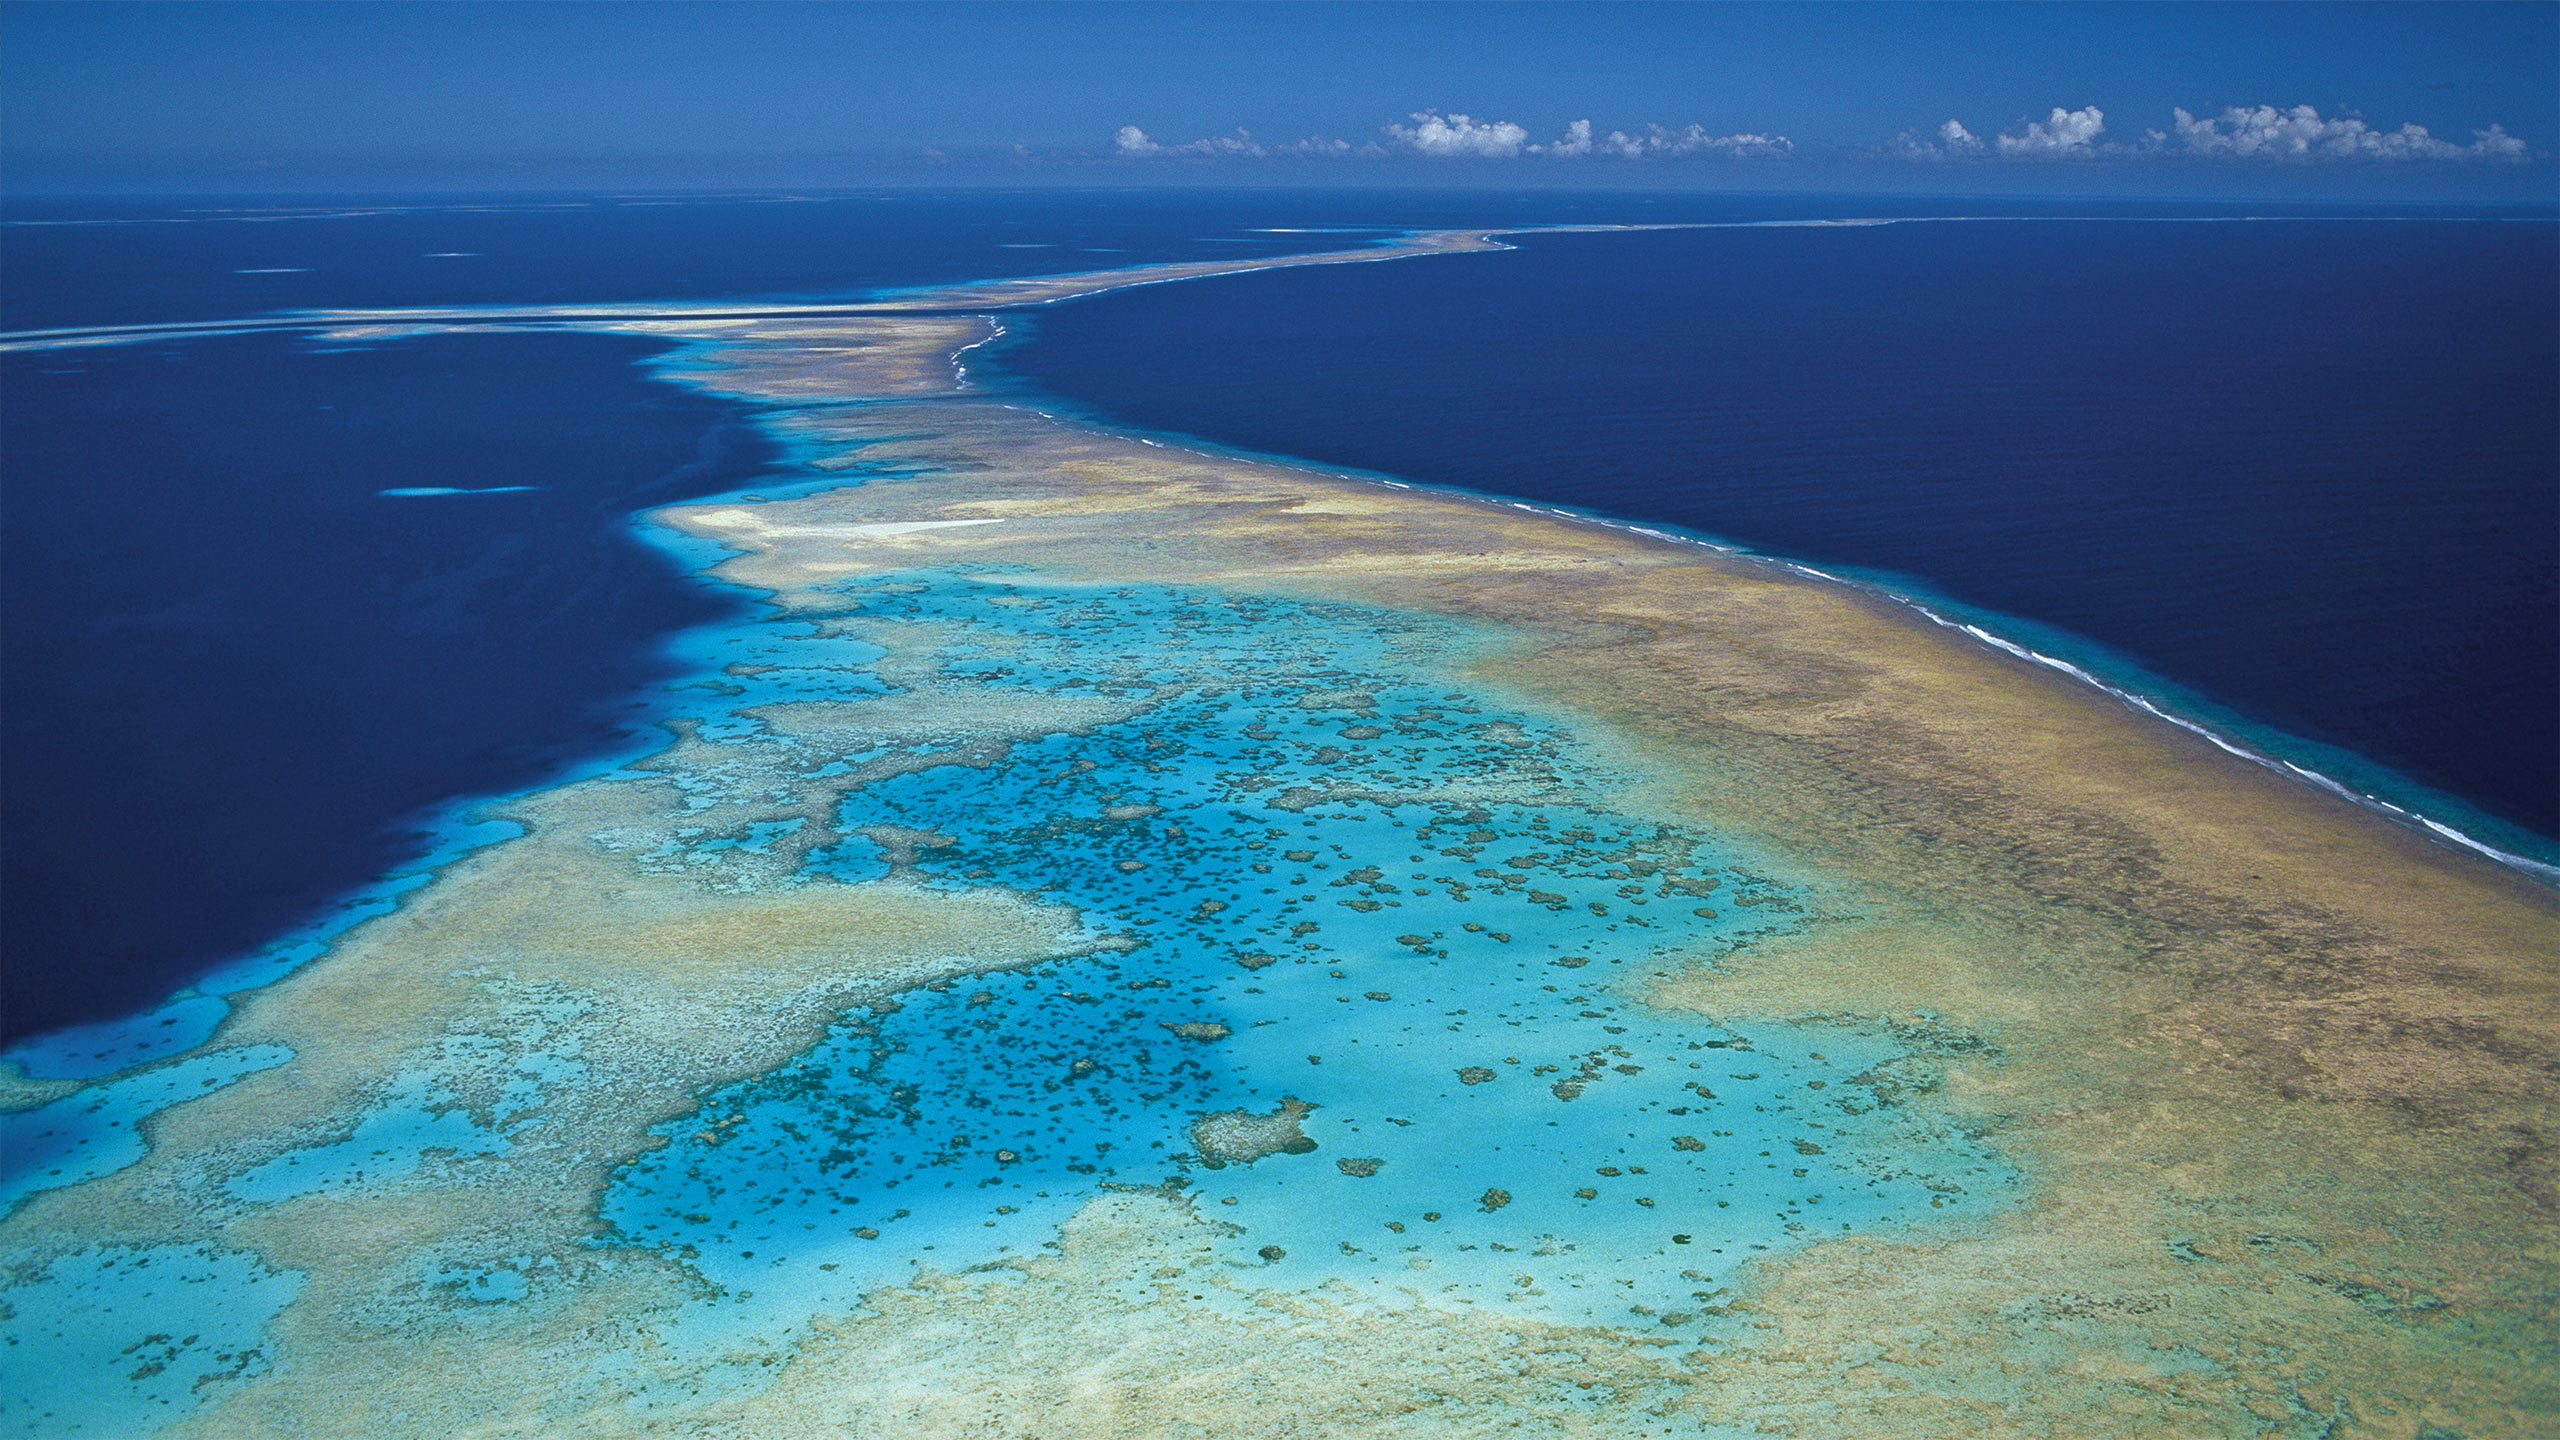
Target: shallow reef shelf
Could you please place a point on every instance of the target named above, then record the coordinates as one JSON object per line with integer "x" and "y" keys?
{"x": 1128, "y": 940}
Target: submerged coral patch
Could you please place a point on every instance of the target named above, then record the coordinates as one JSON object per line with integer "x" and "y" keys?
{"x": 122, "y": 1340}
{"x": 962, "y": 1126}
{"x": 1236, "y": 950}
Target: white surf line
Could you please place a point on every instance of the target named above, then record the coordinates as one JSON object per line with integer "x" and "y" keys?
{"x": 1489, "y": 245}
{"x": 2426, "y": 824}
{"x": 582, "y": 316}
{"x": 2287, "y": 768}
{"x": 2423, "y": 823}
{"x": 2376, "y": 804}
{"x": 960, "y": 367}
{"x": 2303, "y": 774}
{"x": 1487, "y": 242}
{"x": 1414, "y": 246}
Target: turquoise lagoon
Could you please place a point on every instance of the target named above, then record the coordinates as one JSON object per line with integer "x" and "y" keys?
{"x": 1349, "y": 891}
{"x": 1391, "y": 926}
{"x": 1342, "y": 887}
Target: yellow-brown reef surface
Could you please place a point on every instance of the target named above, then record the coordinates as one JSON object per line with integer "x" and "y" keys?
{"x": 2267, "y": 1083}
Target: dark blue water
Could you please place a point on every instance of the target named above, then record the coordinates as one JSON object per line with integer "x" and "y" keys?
{"x": 234, "y": 673}
{"x": 2309, "y": 468}
{"x": 76, "y": 262}
{"x": 237, "y": 677}
{"x": 132, "y": 261}
{"x": 233, "y": 668}
{"x": 127, "y": 262}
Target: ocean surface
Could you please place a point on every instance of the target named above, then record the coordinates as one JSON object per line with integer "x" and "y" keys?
{"x": 2308, "y": 470}
{"x": 258, "y": 632}
{"x": 1373, "y": 941}
{"x": 250, "y": 643}
{"x": 129, "y": 261}
{"x": 242, "y": 664}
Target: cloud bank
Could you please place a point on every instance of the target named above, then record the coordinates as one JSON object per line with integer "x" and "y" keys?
{"x": 2240, "y": 133}
{"x": 2299, "y": 134}
{"x": 1432, "y": 135}
{"x": 2064, "y": 133}
{"x": 2262, "y": 133}
{"x": 1133, "y": 141}
{"x": 1456, "y": 136}
{"x": 1579, "y": 140}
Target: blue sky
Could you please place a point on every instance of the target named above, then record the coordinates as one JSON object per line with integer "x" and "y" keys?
{"x": 2282, "y": 98}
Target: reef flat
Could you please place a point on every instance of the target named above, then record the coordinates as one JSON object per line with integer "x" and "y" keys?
{"x": 1141, "y": 941}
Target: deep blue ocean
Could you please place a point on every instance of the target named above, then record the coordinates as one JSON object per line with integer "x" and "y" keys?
{"x": 2307, "y": 468}
{"x": 236, "y": 673}
{"x": 237, "y": 680}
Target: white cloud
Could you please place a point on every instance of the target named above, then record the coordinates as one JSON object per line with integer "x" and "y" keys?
{"x": 1694, "y": 140}
{"x": 2241, "y": 132}
{"x": 2496, "y": 143}
{"x": 1240, "y": 143}
{"x": 2062, "y": 134}
{"x": 1134, "y": 142}
{"x": 1459, "y": 136}
{"x": 1580, "y": 140}
{"x": 1953, "y": 142}
{"x": 1576, "y": 141}
{"x": 2300, "y": 134}
{"x": 1455, "y": 135}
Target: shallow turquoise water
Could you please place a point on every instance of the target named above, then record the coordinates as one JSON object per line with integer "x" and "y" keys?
{"x": 1363, "y": 891}
{"x": 1414, "y": 912}
{"x": 95, "y": 1131}
{"x": 1343, "y": 884}
{"x": 120, "y": 1340}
